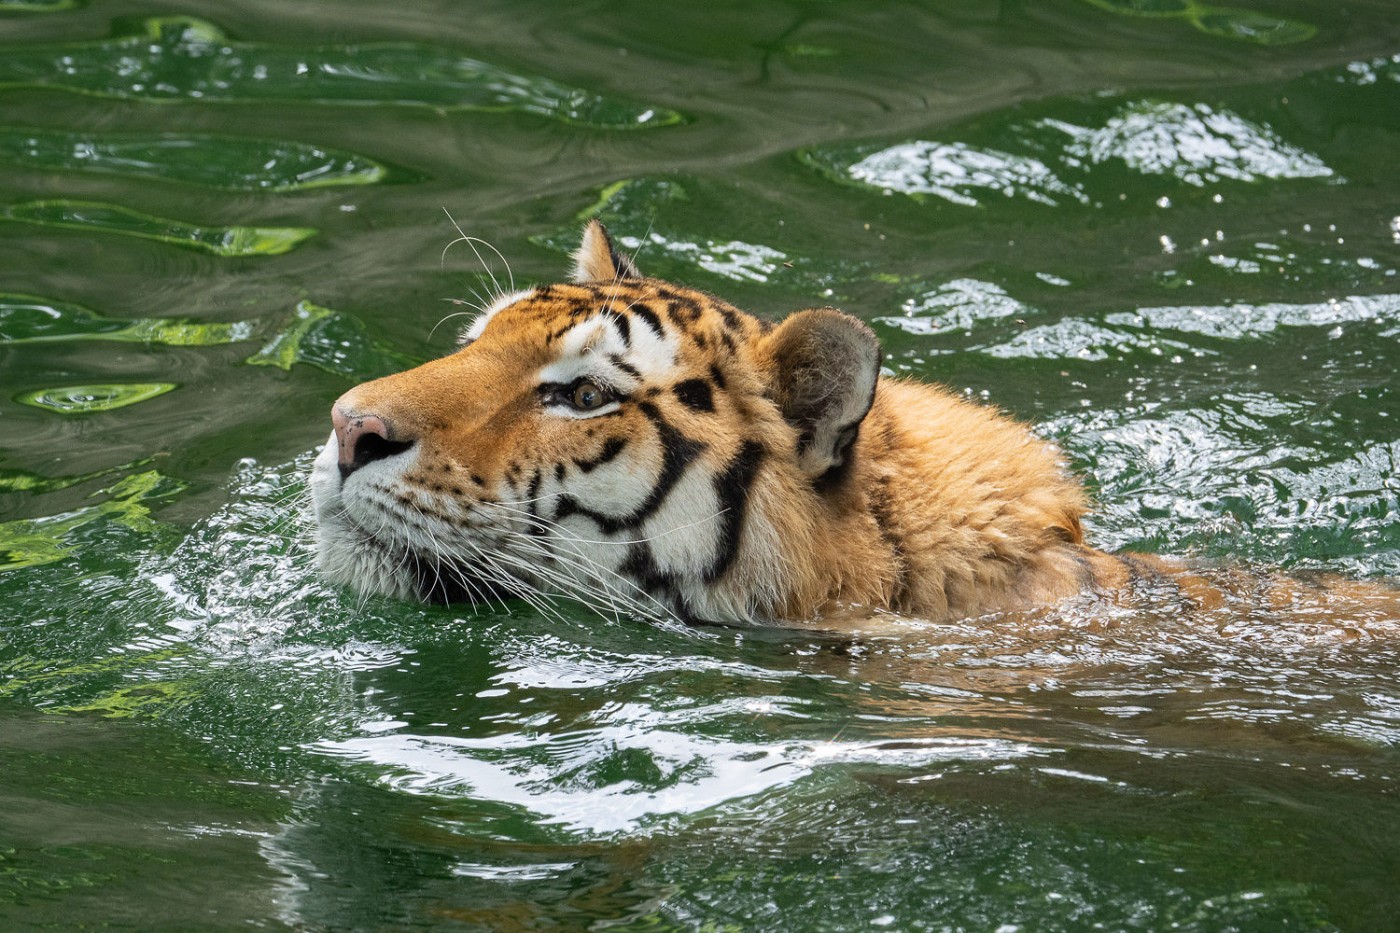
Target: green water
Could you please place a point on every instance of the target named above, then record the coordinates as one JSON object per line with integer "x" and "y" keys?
{"x": 1167, "y": 232}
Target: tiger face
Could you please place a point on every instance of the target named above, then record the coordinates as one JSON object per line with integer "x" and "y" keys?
{"x": 641, "y": 447}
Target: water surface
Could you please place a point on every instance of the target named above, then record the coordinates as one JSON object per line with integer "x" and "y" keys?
{"x": 1167, "y": 233}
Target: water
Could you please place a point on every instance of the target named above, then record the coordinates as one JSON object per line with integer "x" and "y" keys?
{"x": 1165, "y": 232}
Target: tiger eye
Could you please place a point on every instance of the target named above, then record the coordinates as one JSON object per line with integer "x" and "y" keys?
{"x": 587, "y": 396}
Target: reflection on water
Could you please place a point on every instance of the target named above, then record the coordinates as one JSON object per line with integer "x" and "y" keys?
{"x": 956, "y": 171}
{"x": 1198, "y": 145}
{"x": 182, "y": 58}
{"x": 530, "y": 744}
{"x": 215, "y": 161}
{"x": 1170, "y": 249}
{"x": 31, "y": 319}
{"x": 93, "y": 217}
{"x": 542, "y": 754}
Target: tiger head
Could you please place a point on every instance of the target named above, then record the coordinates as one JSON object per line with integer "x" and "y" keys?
{"x": 639, "y": 446}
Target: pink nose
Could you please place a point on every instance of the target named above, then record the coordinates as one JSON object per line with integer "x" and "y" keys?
{"x": 363, "y": 439}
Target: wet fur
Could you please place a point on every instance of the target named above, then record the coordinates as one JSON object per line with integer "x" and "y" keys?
{"x": 749, "y": 472}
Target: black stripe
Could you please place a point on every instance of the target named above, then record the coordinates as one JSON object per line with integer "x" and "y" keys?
{"x": 841, "y": 454}
{"x": 717, "y": 376}
{"x": 1137, "y": 572}
{"x": 694, "y": 394}
{"x": 1087, "y": 580}
{"x": 624, "y": 328}
{"x": 652, "y": 321}
{"x": 677, "y": 453}
{"x": 732, "y": 488}
{"x": 537, "y": 527}
{"x": 640, "y": 565}
{"x": 611, "y": 448}
{"x": 683, "y": 310}
{"x": 625, "y": 366}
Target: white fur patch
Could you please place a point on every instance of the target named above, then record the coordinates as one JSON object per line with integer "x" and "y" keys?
{"x": 474, "y": 330}
{"x": 344, "y": 552}
{"x": 616, "y": 489}
{"x": 587, "y": 350}
{"x": 683, "y": 534}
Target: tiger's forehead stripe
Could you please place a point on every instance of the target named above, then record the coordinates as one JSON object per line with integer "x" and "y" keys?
{"x": 608, "y": 346}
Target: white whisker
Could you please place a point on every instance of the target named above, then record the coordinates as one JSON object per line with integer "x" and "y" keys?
{"x": 471, "y": 241}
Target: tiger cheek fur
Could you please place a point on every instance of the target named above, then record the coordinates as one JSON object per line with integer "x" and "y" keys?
{"x": 650, "y": 450}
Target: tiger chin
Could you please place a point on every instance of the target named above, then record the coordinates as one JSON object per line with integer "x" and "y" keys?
{"x": 650, "y": 450}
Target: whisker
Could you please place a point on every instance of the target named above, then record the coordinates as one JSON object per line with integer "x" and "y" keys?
{"x": 470, "y": 241}
{"x": 603, "y": 576}
{"x": 552, "y": 525}
{"x": 449, "y": 317}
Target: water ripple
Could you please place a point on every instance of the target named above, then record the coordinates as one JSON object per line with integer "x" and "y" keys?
{"x": 1195, "y": 144}
{"x": 955, "y": 172}
{"x": 181, "y": 58}
{"x": 95, "y": 217}
{"x": 626, "y": 777}
{"x": 213, "y": 161}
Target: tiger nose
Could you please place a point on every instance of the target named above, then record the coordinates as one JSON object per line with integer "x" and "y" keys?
{"x": 363, "y": 439}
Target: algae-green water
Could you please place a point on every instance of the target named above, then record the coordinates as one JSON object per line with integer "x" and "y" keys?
{"x": 1167, "y": 233}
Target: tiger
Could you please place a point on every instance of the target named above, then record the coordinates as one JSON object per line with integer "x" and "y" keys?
{"x": 648, "y": 449}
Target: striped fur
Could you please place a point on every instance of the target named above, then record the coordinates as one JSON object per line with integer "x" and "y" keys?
{"x": 732, "y": 470}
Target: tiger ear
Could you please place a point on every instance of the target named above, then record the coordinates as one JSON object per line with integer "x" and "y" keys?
{"x": 823, "y": 366}
{"x": 597, "y": 260}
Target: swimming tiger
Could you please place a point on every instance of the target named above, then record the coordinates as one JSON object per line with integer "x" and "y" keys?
{"x": 651, "y": 449}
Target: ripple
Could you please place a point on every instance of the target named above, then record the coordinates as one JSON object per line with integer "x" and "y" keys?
{"x": 32, "y": 319}
{"x": 731, "y": 259}
{"x": 1083, "y": 340}
{"x": 1243, "y": 479}
{"x": 955, "y": 172}
{"x": 223, "y": 162}
{"x": 181, "y": 58}
{"x": 1195, "y": 144}
{"x": 1223, "y": 22}
{"x": 1320, "y": 269}
{"x": 632, "y": 209}
{"x": 960, "y": 304}
{"x": 332, "y": 341}
{"x": 1244, "y": 321}
{"x": 95, "y": 217}
{"x": 627, "y": 777}
{"x": 1053, "y": 159}
{"x": 32, "y": 542}
{"x": 1370, "y": 72}
{"x": 81, "y": 400}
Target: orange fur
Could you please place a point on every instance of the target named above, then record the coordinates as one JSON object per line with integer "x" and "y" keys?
{"x": 728, "y": 475}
